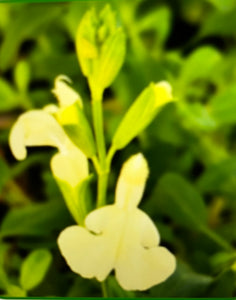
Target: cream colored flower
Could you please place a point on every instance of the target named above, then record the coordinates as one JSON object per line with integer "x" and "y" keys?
{"x": 40, "y": 128}
{"x": 120, "y": 237}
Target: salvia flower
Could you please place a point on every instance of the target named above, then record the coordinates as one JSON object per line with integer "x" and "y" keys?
{"x": 120, "y": 237}
{"x": 40, "y": 128}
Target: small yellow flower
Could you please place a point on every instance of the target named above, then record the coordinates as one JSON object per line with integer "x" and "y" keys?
{"x": 120, "y": 237}
{"x": 41, "y": 128}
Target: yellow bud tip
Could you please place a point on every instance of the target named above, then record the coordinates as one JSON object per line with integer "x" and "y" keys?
{"x": 135, "y": 171}
{"x": 163, "y": 91}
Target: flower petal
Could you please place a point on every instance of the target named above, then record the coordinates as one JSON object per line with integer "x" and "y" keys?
{"x": 93, "y": 254}
{"x": 36, "y": 128}
{"x": 65, "y": 94}
{"x": 131, "y": 182}
{"x": 140, "y": 262}
{"x": 149, "y": 235}
{"x": 87, "y": 254}
{"x": 70, "y": 166}
{"x": 139, "y": 268}
{"x": 126, "y": 241}
{"x": 105, "y": 219}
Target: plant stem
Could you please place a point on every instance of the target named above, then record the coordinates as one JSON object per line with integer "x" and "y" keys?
{"x": 98, "y": 128}
{"x": 102, "y": 188}
{"x": 104, "y": 289}
{"x": 101, "y": 148}
{"x": 110, "y": 155}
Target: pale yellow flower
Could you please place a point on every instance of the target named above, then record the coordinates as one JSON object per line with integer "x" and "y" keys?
{"x": 41, "y": 128}
{"x": 120, "y": 237}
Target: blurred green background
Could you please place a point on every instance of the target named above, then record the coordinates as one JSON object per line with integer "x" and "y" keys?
{"x": 190, "y": 147}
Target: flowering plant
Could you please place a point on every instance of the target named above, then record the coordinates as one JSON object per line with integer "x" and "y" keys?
{"x": 117, "y": 236}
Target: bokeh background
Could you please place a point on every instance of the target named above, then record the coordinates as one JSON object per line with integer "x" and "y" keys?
{"x": 190, "y": 147}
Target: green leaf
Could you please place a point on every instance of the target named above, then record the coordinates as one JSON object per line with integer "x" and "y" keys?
{"x": 4, "y": 283}
{"x": 158, "y": 20}
{"x": 15, "y": 291}
{"x": 181, "y": 201}
{"x": 218, "y": 23}
{"x": 223, "y": 260}
{"x": 22, "y": 76}
{"x": 8, "y": 96}
{"x": 223, "y": 286}
{"x": 140, "y": 114}
{"x": 219, "y": 178}
{"x": 18, "y": 30}
{"x": 178, "y": 198}
{"x": 34, "y": 268}
{"x": 35, "y": 220}
{"x": 183, "y": 283}
{"x": 167, "y": 128}
{"x": 197, "y": 116}
{"x": 5, "y": 15}
{"x": 223, "y": 106}
{"x": 225, "y": 5}
{"x": 199, "y": 64}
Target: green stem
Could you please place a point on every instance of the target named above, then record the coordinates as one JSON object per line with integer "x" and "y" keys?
{"x": 98, "y": 128}
{"x": 96, "y": 163}
{"x": 110, "y": 155}
{"x": 102, "y": 188}
{"x": 100, "y": 141}
{"x": 104, "y": 289}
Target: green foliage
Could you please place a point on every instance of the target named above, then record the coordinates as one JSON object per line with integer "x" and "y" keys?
{"x": 184, "y": 283}
{"x": 180, "y": 200}
{"x": 216, "y": 23}
{"x": 35, "y": 220}
{"x": 8, "y": 96}
{"x": 223, "y": 108}
{"x": 22, "y": 76}
{"x": 200, "y": 64}
{"x": 224, "y": 5}
{"x": 18, "y": 31}
{"x": 34, "y": 268}
{"x": 219, "y": 178}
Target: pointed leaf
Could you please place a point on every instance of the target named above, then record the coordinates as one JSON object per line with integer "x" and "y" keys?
{"x": 181, "y": 201}
{"x": 34, "y": 268}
